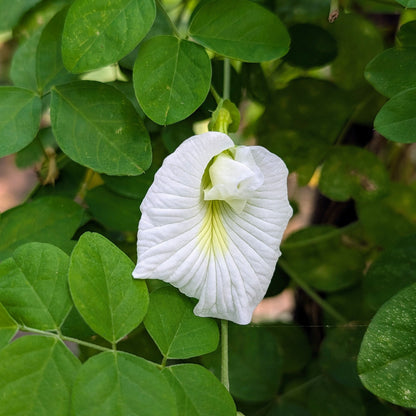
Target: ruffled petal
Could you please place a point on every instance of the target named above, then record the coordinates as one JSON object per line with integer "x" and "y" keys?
{"x": 207, "y": 249}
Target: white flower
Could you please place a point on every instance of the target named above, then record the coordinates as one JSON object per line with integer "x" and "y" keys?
{"x": 212, "y": 223}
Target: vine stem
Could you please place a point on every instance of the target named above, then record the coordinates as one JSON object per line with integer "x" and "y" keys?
{"x": 224, "y": 354}
{"x": 311, "y": 293}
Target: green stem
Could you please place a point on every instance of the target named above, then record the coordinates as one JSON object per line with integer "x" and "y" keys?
{"x": 311, "y": 293}
{"x": 64, "y": 338}
{"x": 224, "y": 354}
{"x": 227, "y": 79}
{"x": 215, "y": 94}
{"x": 333, "y": 11}
{"x": 164, "y": 361}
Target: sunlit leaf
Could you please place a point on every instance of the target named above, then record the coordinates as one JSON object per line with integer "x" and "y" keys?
{"x": 387, "y": 359}
{"x": 36, "y": 377}
{"x": 98, "y": 33}
{"x": 105, "y": 294}
{"x": 241, "y": 30}
{"x": 96, "y": 126}
{"x": 171, "y": 78}
{"x": 116, "y": 383}
{"x": 34, "y": 286}
{"x": 176, "y": 330}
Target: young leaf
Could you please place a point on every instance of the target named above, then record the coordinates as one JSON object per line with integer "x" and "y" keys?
{"x": 352, "y": 172}
{"x": 240, "y": 30}
{"x": 397, "y": 119}
{"x": 392, "y": 271}
{"x": 36, "y": 377}
{"x": 8, "y": 326}
{"x": 407, "y": 3}
{"x": 387, "y": 360}
{"x": 20, "y": 112}
{"x": 175, "y": 329}
{"x": 392, "y": 71}
{"x": 34, "y": 286}
{"x": 98, "y": 33}
{"x": 51, "y": 220}
{"x": 50, "y": 69}
{"x": 195, "y": 388}
{"x": 121, "y": 384}
{"x": 171, "y": 78}
{"x": 103, "y": 290}
{"x": 97, "y": 126}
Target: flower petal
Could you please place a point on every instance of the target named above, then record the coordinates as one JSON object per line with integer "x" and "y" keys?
{"x": 206, "y": 249}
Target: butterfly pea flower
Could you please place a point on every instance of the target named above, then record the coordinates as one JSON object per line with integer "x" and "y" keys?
{"x": 212, "y": 223}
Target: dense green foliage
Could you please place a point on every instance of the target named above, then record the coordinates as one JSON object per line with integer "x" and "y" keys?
{"x": 98, "y": 92}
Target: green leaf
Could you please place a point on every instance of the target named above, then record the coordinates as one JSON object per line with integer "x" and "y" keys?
{"x": 20, "y": 112}
{"x": 304, "y": 134}
{"x": 387, "y": 358}
{"x": 320, "y": 257}
{"x": 36, "y": 377}
{"x": 104, "y": 292}
{"x": 358, "y": 42}
{"x": 8, "y": 326}
{"x": 130, "y": 186}
{"x": 388, "y": 219}
{"x": 241, "y": 30}
{"x": 407, "y": 3}
{"x": 393, "y": 270}
{"x": 195, "y": 387}
{"x": 338, "y": 354}
{"x": 97, "y": 126}
{"x": 23, "y": 66}
{"x": 255, "y": 363}
{"x": 397, "y": 120}
{"x": 98, "y": 33}
{"x": 112, "y": 210}
{"x": 353, "y": 172}
{"x": 327, "y": 398}
{"x": 177, "y": 332}
{"x": 311, "y": 46}
{"x": 12, "y": 11}
{"x": 50, "y": 69}
{"x": 171, "y": 78}
{"x": 121, "y": 384}
{"x": 406, "y": 38}
{"x": 51, "y": 220}
{"x": 392, "y": 71}
{"x": 34, "y": 286}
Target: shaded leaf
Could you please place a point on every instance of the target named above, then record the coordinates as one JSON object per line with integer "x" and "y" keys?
{"x": 393, "y": 270}
{"x": 396, "y": 120}
{"x": 12, "y": 11}
{"x": 406, "y": 38}
{"x": 51, "y": 220}
{"x": 392, "y": 71}
{"x": 103, "y": 290}
{"x": 353, "y": 172}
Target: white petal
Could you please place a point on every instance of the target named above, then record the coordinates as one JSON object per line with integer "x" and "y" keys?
{"x": 207, "y": 249}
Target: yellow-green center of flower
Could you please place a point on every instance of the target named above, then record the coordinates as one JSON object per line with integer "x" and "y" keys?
{"x": 232, "y": 178}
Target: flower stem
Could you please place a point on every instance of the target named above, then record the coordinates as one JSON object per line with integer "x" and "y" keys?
{"x": 227, "y": 79}
{"x": 224, "y": 354}
{"x": 311, "y": 293}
